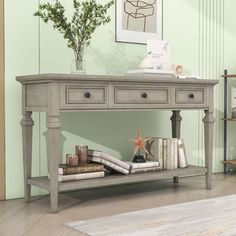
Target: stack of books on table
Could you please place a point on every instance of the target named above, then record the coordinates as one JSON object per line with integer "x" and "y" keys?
{"x": 152, "y": 72}
{"x": 109, "y": 162}
{"x": 148, "y": 166}
{"x": 80, "y": 172}
{"x": 169, "y": 152}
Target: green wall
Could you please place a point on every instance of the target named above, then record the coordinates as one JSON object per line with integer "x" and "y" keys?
{"x": 202, "y": 35}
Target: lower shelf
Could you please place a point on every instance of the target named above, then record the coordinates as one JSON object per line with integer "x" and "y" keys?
{"x": 118, "y": 179}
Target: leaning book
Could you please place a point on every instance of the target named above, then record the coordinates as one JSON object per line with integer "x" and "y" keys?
{"x": 110, "y": 165}
{"x": 82, "y": 168}
{"x": 92, "y": 175}
{"x": 109, "y": 158}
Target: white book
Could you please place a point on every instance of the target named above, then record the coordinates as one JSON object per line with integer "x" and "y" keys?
{"x": 174, "y": 152}
{"x": 182, "y": 154}
{"x": 109, "y": 158}
{"x": 144, "y": 170}
{"x": 160, "y": 152}
{"x": 159, "y": 54}
{"x": 109, "y": 164}
{"x": 169, "y": 155}
{"x": 92, "y": 175}
{"x": 143, "y": 165}
{"x": 161, "y": 73}
{"x": 164, "y": 154}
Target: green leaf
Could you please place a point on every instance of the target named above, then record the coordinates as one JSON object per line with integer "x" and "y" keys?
{"x": 88, "y": 15}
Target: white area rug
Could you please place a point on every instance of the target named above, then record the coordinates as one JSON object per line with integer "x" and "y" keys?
{"x": 211, "y": 217}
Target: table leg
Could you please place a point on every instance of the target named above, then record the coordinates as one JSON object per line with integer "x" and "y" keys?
{"x": 27, "y": 131}
{"x": 176, "y": 119}
{"x": 208, "y": 139}
{"x": 176, "y": 124}
{"x": 54, "y": 152}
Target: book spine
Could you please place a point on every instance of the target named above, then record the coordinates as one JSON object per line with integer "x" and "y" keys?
{"x": 79, "y": 169}
{"x": 175, "y": 153}
{"x": 110, "y": 165}
{"x": 181, "y": 154}
{"x": 160, "y": 152}
{"x": 169, "y": 154}
{"x": 64, "y": 178}
{"x": 144, "y": 170}
{"x": 164, "y": 154}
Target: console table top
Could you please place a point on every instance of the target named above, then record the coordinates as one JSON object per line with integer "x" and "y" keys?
{"x": 149, "y": 78}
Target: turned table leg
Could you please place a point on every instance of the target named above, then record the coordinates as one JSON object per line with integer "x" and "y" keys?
{"x": 208, "y": 139}
{"x": 27, "y": 130}
{"x": 176, "y": 123}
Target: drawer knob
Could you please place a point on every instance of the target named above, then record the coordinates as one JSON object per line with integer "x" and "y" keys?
{"x": 144, "y": 95}
{"x": 191, "y": 95}
{"x": 87, "y": 95}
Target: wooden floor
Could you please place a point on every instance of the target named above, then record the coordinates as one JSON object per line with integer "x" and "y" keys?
{"x": 17, "y": 218}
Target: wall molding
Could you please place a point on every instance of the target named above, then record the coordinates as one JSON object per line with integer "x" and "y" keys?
{"x": 2, "y": 110}
{"x": 211, "y": 66}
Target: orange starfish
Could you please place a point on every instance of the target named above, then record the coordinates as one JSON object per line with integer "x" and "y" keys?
{"x": 140, "y": 143}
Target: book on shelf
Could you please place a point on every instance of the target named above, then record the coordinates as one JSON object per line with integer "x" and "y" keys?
{"x": 82, "y": 168}
{"x": 109, "y": 165}
{"x": 82, "y": 176}
{"x": 164, "y": 154}
{"x": 170, "y": 153}
{"x": 146, "y": 164}
{"x": 182, "y": 154}
{"x": 156, "y": 151}
{"x": 169, "y": 156}
{"x": 109, "y": 158}
{"x": 145, "y": 170}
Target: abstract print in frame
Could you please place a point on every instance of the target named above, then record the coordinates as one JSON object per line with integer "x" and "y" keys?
{"x": 138, "y": 20}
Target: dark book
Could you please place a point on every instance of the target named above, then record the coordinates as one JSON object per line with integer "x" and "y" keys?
{"x": 82, "y": 168}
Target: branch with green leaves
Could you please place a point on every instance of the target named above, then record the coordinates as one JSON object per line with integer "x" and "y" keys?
{"x": 87, "y": 17}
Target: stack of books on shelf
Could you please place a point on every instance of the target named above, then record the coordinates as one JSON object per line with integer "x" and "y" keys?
{"x": 109, "y": 162}
{"x": 169, "y": 152}
{"x": 148, "y": 166}
{"x": 80, "y": 172}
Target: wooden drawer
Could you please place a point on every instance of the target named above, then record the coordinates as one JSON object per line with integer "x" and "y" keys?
{"x": 87, "y": 95}
{"x": 191, "y": 96}
{"x": 141, "y": 95}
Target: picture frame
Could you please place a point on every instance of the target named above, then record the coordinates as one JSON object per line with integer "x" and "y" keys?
{"x": 139, "y": 20}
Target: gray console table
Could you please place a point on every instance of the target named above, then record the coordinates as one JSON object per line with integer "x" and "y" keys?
{"x": 55, "y": 93}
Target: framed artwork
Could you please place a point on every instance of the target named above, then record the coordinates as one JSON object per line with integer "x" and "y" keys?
{"x": 138, "y": 20}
